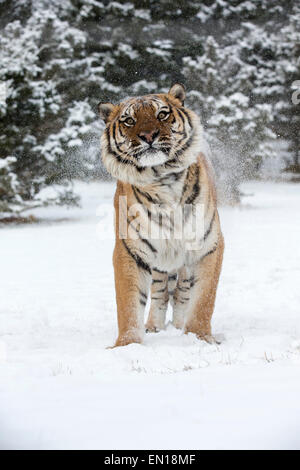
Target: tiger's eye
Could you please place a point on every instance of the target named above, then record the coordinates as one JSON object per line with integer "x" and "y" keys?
{"x": 162, "y": 115}
{"x": 129, "y": 121}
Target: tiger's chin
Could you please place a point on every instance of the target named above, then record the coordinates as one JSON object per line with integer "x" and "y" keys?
{"x": 153, "y": 158}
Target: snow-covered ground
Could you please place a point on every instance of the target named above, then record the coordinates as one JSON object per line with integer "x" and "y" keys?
{"x": 61, "y": 388}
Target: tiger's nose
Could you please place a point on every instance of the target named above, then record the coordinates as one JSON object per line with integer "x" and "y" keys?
{"x": 148, "y": 136}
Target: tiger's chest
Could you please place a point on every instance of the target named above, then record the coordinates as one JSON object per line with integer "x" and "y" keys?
{"x": 172, "y": 235}
{"x": 174, "y": 224}
{"x": 171, "y": 254}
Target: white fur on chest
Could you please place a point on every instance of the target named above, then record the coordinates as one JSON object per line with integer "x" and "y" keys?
{"x": 172, "y": 250}
{"x": 173, "y": 254}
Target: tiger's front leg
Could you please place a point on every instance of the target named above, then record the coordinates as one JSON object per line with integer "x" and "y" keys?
{"x": 181, "y": 297}
{"x": 159, "y": 302}
{"x": 132, "y": 281}
{"x": 203, "y": 293}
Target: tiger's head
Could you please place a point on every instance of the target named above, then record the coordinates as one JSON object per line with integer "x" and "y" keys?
{"x": 149, "y": 135}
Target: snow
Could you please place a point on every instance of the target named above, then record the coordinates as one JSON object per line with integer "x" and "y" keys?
{"x": 5, "y": 162}
{"x": 61, "y": 388}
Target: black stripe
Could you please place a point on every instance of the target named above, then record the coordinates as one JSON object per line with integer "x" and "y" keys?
{"x": 172, "y": 277}
{"x": 169, "y": 162}
{"x": 146, "y": 195}
{"x": 114, "y": 134}
{"x": 181, "y": 117}
{"x": 178, "y": 132}
{"x": 120, "y": 159}
{"x": 184, "y": 133}
{"x": 191, "y": 281}
{"x": 142, "y": 302}
{"x": 160, "y": 291}
{"x": 185, "y": 147}
{"x": 158, "y": 271}
{"x": 136, "y": 196}
{"x": 143, "y": 294}
{"x": 185, "y": 185}
{"x": 187, "y": 116}
{"x": 121, "y": 132}
{"x": 117, "y": 144}
{"x": 129, "y": 223}
{"x": 210, "y": 226}
{"x": 141, "y": 202}
{"x": 139, "y": 261}
{"x": 157, "y": 280}
{"x": 175, "y": 175}
{"x": 209, "y": 252}
{"x": 144, "y": 240}
{"x": 166, "y": 150}
{"x": 183, "y": 289}
{"x": 196, "y": 189}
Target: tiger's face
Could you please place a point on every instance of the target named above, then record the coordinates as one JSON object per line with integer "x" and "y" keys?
{"x": 148, "y": 131}
{"x": 144, "y": 128}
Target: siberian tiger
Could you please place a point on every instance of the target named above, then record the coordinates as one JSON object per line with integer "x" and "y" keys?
{"x": 153, "y": 146}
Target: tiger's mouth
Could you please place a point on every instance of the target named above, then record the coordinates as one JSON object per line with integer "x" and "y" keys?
{"x": 153, "y": 149}
{"x": 152, "y": 157}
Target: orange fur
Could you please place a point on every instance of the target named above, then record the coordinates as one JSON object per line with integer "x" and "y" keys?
{"x": 187, "y": 279}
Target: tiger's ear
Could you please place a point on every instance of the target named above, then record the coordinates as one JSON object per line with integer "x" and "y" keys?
{"x": 178, "y": 92}
{"x": 105, "y": 110}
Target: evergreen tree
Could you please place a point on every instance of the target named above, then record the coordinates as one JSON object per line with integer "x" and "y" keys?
{"x": 41, "y": 123}
{"x": 223, "y": 83}
{"x": 8, "y": 184}
{"x": 238, "y": 60}
{"x": 288, "y": 106}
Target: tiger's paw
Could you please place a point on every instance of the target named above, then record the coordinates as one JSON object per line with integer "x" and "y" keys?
{"x": 152, "y": 329}
{"x": 210, "y": 339}
{"x": 204, "y": 335}
{"x": 127, "y": 339}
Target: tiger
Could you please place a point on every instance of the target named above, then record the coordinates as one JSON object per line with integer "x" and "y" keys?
{"x": 154, "y": 147}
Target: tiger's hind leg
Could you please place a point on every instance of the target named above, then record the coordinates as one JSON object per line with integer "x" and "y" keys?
{"x": 180, "y": 298}
{"x": 203, "y": 293}
{"x": 159, "y": 302}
